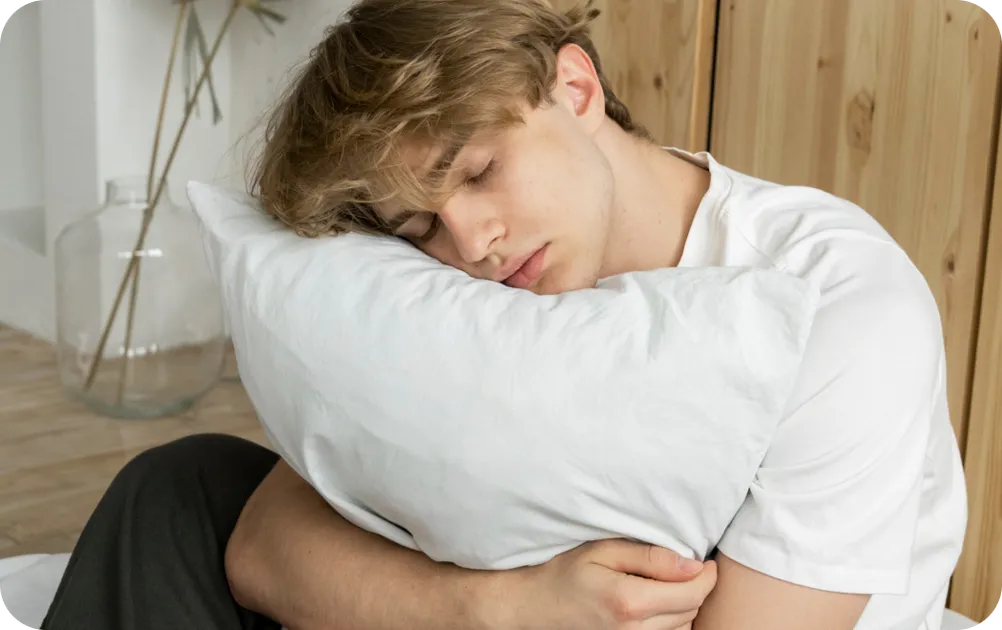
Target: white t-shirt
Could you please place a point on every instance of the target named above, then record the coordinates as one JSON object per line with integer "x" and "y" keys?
{"x": 862, "y": 488}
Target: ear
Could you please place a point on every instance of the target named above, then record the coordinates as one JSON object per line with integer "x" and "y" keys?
{"x": 578, "y": 88}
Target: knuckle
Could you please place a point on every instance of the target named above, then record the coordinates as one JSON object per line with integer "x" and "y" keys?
{"x": 592, "y": 548}
{"x": 585, "y": 551}
{"x": 621, "y": 604}
{"x": 652, "y": 555}
{"x": 656, "y": 555}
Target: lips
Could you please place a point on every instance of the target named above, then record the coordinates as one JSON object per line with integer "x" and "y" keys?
{"x": 525, "y": 271}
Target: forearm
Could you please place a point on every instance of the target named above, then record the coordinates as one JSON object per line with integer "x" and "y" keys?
{"x": 297, "y": 561}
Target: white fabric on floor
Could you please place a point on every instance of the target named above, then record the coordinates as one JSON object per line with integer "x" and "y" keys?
{"x": 28, "y": 584}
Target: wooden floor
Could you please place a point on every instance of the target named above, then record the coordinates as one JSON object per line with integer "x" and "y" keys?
{"x": 57, "y": 457}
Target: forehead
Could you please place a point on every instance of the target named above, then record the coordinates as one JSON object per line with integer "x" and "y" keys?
{"x": 438, "y": 165}
{"x": 426, "y": 159}
{"x": 429, "y": 156}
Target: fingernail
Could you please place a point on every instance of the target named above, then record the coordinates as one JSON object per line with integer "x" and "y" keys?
{"x": 687, "y": 565}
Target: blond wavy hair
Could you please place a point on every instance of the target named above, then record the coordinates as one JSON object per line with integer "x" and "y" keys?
{"x": 393, "y": 72}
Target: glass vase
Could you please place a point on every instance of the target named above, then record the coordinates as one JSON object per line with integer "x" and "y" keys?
{"x": 165, "y": 346}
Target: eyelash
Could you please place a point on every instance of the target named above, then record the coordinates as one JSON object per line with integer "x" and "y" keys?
{"x": 479, "y": 179}
{"x": 476, "y": 180}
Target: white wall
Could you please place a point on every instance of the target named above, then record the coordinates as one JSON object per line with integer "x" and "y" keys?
{"x": 134, "y": 40}
{"x": 87, "y": 77}
{"x": 20, "y": 119}
{"x": 260, "y": 66}
{"x": 24, "y": 269}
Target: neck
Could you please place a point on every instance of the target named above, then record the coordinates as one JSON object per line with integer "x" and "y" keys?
{"x": 656, "y": 197}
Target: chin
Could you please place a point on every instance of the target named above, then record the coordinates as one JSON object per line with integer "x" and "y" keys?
{"x": 556, "y": 283}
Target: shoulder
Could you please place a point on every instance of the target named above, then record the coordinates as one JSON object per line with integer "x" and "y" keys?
{"x": 872, "y": 294}
{"x": 852, "y": 444}
{"x": 874, "y": 364}
{"x": 877, "y": 315}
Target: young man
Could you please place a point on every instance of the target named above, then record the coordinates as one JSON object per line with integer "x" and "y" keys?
{"x": 486, "y": 135}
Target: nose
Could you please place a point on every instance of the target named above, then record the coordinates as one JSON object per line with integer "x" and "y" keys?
{"x": 474, "y": 228}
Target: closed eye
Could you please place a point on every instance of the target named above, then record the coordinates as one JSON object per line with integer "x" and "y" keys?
{"x": 483, "y": 176}
{"x": 436, "y": 222}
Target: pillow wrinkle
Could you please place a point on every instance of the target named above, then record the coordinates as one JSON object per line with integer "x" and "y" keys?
{"x": 493, "y": 428}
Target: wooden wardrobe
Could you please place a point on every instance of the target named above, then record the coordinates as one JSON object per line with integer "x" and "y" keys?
{"x": 893, "y": 104}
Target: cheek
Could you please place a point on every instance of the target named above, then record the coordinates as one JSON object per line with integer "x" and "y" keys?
{"x": 440, "y": 249}
{"x": 444, "y": 251}
{"x": 534, "y": 196}
{"x": 556, "y": 202}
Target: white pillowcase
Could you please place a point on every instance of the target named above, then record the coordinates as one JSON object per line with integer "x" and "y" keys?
{"x": 494, "y": 428}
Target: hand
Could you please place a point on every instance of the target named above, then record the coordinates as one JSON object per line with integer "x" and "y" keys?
{"x": 605, "y": 585}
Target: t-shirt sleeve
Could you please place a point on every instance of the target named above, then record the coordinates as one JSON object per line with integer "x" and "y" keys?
{"x": 835, "y": 503}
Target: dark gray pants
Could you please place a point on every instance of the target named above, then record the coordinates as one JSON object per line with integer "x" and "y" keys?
{"x": 151, "y": 555}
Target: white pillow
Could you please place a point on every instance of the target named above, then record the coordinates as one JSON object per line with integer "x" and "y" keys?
{"x": 494, "y": 428}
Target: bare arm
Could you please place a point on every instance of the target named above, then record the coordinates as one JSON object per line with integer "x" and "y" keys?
{"x": 748, "y": 600}
{"x": 295, "y": 560}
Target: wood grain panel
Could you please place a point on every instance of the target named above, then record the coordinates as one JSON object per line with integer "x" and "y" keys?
{"x": 658, "y": 55}
{"x": 977, "y": 582}
{"x": 888, "y": 104}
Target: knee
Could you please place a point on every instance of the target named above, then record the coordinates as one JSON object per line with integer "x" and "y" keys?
{"x": 181, "y": 458}
{"x": 192, "y": 464}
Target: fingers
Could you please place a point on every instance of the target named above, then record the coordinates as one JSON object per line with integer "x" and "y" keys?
{"x": 670, "y": 622}
{"x": 649, "y": 561}
{"x": 641, "y": 598}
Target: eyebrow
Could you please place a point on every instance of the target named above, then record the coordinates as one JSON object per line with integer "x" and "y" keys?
{"x": 444, "y": 163}
{"x": 442, "y": 166}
